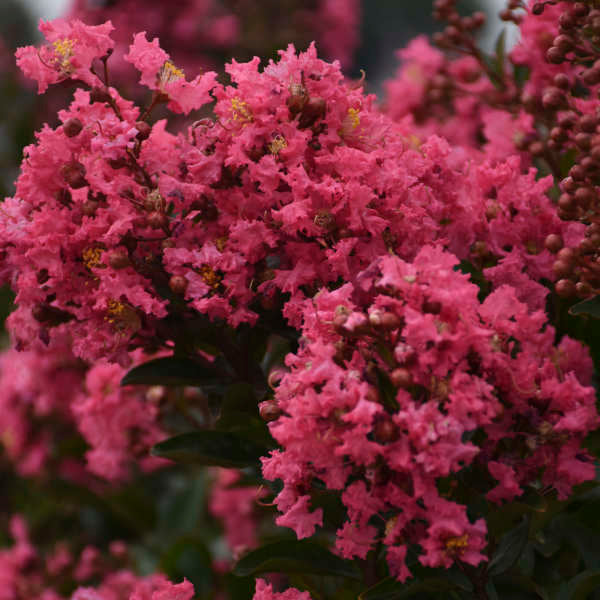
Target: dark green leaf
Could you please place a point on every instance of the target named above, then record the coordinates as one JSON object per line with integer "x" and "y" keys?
{"x": 211, "y": 448}
{"x": 390, "y": 589}
{"x": 295, "y": 556}
{"x": 589, "y": 307}
{"x": 510, "y": 548}
{"x": 189, "y": 558}
{"x": 172, "y": 370}
{"x": 511, "y": 586}
{"x": 490, "y": 590}
{"x": 581, "y": 586}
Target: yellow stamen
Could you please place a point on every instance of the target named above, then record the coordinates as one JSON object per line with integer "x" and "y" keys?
{"x": 63, "y": 52}
{"x": 122, "y": 316}
{"x": 209, "y": 277}
{"x": 169, "y": 73}
{"x": 457, "y": 545}
{"x": 240, "y": 111}
{"x": 353, "y": 114}
{"x": 278, "y": 143}
{"x": 92, "y": 258}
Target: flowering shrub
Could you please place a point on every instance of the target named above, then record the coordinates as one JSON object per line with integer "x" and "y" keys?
{"x": 356, "y": 312}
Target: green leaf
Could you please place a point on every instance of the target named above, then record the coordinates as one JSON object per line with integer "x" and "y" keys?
{"x": 510, "y": 548}
{"x": 581, "y": 586}
{"x": 295, "y": 556}
{"x": 217, "y": 448}
{"x": 188, "y": 557}
{"x": 589, "y": 307}
{"x": 390, "y": 589}
{"x": 519, "y": 586}
{"x": 173, "y": 370}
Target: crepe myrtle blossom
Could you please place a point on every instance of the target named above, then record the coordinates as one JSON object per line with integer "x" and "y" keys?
{"x": 299, "y": 181}
{"x": 469, "y": 383}
{"x": 28, "y": 572}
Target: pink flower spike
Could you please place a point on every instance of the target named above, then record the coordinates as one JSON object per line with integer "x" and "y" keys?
{"x": 160, "y": 74}
{"x": 72, "y": 47}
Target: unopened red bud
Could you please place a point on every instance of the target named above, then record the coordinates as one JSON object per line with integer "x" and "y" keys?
{"x": 553, "y": 242}
{"x": 74, "y": 174}
{"x": 89, "y": 208}
{"x": 536, "y": 148}
{"x": 98, "y": 94}
{"x": 143, "y": 130}
{"x": 583, "y": 141}
{"x": 117, "y": 163}
{"x": 118, "y": 258}
{"x": 580, "y": 9}
{"x": 157, "y": 220}
{"x": 538, "y": 8}
{"x": 401, "y": 378}
{"x": 558, "y": 134}
{"x": 583, "y": 289}
{"x": 565, "y": 288}
{"x": 564, "y": 42}
{"x": 591, "y": 76}
{"x": 432, "y": 306}
{"x": 72, "y": 127}
{"x": 577, "y": 173}
{"x": 588, "y": 123}
{"x": 385, "y": 431}
{"x": 560, "y": 268}
{"x": 567, "y": 120}
{"x": 567, "y": 255}
{"x": 313, "y": 111}
{"x": 553, "y": 98}
{"x": 555, "y": 55}
{"x": 178, "y": 284}
{"x": 50, "y": 315}
{"x": 297, "y": 99}
{"x": 566, "y": 20}
{"x": 561, "y": 81}
{"x": 566, "y": 202}
{"x": 64, "y": 197}
{"x": 595, "y": 153}
{"x": 390, "y": 321}
{"x": 269, "y": 410}
{"x": 584, "y": 196}
{"x": 275, "y": 376}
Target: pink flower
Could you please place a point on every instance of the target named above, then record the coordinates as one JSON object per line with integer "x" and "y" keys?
{"x": 71, "y": 50}
{"x": 160, "y": 74}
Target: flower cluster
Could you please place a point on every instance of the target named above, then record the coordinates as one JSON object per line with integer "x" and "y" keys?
{"x": 117, "y": 227}
{"x": 27, "y": 572}
{"x": 202, "y": 32}
{"x": 299, "y": 201}
{"x": 469, "y": 384}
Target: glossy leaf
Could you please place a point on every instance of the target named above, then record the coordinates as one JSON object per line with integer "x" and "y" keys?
{"x": 510, "y": 548}
{"x": 589, "y": 307}
{"x": 217, "y": 448}
{"x": 391, "y": 589}
{"x": 295, "y": 556}
{"x": 581, "y": 586}
{"x": 173, "y": 370}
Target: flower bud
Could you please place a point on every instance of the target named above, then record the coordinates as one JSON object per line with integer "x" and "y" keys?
{"x": 143, "y": 130}
{"x": 73, "y": 173}
{"x": 98, "y": 94}
{"x": 72, "y": 127}
{"x": 385, "y": 431}
{"x": 118, "y": 258}
{"x": 269, "y": 410}
{"x": 553, "y": 243}
{"x": 313, "y": 110}
{"x": 565, "y": 288}
{"x": 157, "y": 220}
{"x": 178, "y": 284}
{"x": 401, "y": 378}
